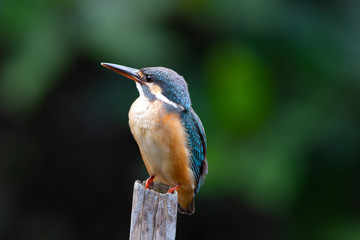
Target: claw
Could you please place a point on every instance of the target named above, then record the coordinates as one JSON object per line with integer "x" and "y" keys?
{"x": 176, "y": 187}
{"x": 149, "y": 181}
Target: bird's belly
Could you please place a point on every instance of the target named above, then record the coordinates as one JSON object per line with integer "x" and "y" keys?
{"x": 156, "y": 154}
{"x": 162, "y": 143}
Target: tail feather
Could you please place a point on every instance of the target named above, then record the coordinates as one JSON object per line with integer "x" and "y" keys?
{"x": 189, "y": 210}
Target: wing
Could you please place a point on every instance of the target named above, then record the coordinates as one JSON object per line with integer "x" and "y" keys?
{"x": 197, "y": 146}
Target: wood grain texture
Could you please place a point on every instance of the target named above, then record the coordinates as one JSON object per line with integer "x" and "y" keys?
{"x": 154, "y": 212}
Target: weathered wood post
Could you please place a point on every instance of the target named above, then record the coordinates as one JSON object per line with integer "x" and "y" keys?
{"x": 154, "y": 212}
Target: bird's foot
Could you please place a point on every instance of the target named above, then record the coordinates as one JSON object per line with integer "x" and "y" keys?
{"x": 149, "y": 181}
{"x": 176, "y": 187}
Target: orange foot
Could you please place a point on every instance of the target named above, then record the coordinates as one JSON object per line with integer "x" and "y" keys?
{"x": 149, "y": 181}
{"x": 176, "y": 187}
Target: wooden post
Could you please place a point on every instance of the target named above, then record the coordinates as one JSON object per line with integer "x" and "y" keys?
{"x": 154, "y": 212}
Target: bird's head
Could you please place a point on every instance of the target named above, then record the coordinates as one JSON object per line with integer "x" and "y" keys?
{"x": 157, "y": 83}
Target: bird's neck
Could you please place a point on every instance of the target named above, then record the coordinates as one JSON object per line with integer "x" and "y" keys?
{"x": 151, "y": 94}
{"x": 144, "y": 114}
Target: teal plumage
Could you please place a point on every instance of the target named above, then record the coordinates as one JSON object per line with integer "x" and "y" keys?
{"x": 197, "y": 145}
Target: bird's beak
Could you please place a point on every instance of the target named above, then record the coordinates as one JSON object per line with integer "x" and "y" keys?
{"x": 128, "y": 72}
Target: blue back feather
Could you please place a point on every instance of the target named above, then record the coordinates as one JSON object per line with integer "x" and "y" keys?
{"x": 197, "y": 145}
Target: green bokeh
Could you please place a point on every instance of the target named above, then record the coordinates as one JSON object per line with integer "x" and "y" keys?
{"x": 240, "y": 87}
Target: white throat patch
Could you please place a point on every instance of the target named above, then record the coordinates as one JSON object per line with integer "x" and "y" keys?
{"x": 139, "y": 88}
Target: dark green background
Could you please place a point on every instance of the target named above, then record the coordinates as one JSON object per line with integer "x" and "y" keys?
{"x": 275, "y": 83}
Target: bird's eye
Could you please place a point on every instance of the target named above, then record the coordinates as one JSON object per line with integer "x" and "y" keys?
{"x": 148, "y": 78}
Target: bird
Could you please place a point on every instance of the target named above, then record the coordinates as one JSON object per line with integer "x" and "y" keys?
{"x": 170, "y": 135}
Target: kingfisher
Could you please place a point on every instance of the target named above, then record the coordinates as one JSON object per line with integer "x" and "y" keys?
{"x": 170, "y": 135}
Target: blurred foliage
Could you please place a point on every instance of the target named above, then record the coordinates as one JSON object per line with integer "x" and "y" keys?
{"x": 242, "y": 82}
{"x": 275, "y": 83}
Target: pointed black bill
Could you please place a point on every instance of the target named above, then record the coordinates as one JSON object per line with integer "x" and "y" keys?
{"x": 128, "y": 72}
